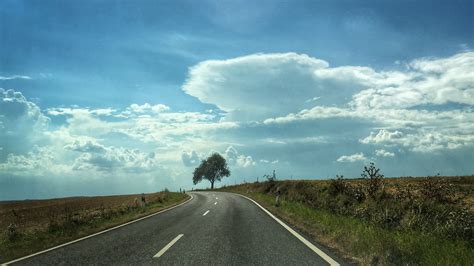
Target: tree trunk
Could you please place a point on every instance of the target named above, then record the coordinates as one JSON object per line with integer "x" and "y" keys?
{"x": 212, "y": 184}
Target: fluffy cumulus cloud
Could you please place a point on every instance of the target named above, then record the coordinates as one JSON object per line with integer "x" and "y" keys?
{"x": 422, "y": 140}
{"x": 384, "y": 153}
{"x": 99, "y": 157}
{"x": 383, "y": 136}
{"x": 257, "y": 86}
{"x": 146, "y": 108}
{"x": 237, "y": 159}
{"x": 37, "y": 161}
{"x": 112, "y": 158}
{"x": 426, "y": 81}
{"x": 22, "y": 123}
{"x": 428, "y": 106}
{"x": 289, "y": 112}
{"x": 190, "y": 158}
{"x": 356, "y": 157}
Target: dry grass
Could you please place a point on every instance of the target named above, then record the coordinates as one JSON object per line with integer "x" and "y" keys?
{"x": 420, "y": 221}
{"x": 32, "y": 225}
{"x": 31, "y": 215}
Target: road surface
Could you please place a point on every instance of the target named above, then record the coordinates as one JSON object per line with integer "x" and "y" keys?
{"x": 214, "y": 228}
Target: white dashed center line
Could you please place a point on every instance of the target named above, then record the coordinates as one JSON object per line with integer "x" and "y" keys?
{"x": 163, "y": 250}
{"x": 215, "y": 203}
{"x": 205, "y": 213}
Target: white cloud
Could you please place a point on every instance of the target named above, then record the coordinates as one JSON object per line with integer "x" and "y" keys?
{"x": 38, "y": 161}
{"x": 16, "y": 111}
{"x": 68, "y": 111}
{"x": 384, "y": 153}
{"x": 313, "y": 99}
{"x": 190, "y": 158}
{"x": 14, "y": 77}
{"x": 427, "y": 81}
{"x": 261, "y": 86}
{"x": 423, "y": 140}
{"x": 318, "y": 112}
{"x": 147, "y": 108}
{"x": 240, "y": 160}
{"x": 22, "y": 124}
{"x": 383, "y": 136}
{"x": 103, "y": 111}
{"x": 241, "y": 87}
{"x": 87, "y": 146}
{"x": 108, "y": 159}
{"x": 352, "y": 158}
{"x": 269, "y": 162}
{"x": 258, "y": 86}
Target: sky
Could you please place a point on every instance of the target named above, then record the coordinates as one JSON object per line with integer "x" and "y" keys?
{"x": 119, "y": 97}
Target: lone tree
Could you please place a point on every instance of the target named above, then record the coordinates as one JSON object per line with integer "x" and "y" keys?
{"x": 213, "y": 168}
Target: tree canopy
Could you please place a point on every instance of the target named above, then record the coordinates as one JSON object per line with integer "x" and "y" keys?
{"x": 214, "y": 168}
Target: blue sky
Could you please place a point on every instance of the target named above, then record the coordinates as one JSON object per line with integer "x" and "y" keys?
{"x": 102, "y": 97}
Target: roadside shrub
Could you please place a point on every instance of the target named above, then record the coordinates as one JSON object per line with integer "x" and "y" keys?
{"x": 268, "y": 186}
{"x": 437, "y": 189}
{"x": 404, "y": 193}
{"x": 270, "y": 178}
{"x": 356, "y": 192}
{"x": 373, "y": 180}
{"x": 53, "y": 221}
{"x": 300, "y": 191}
{"x": 337, "y": 186}
{"x": 12, "y": 232}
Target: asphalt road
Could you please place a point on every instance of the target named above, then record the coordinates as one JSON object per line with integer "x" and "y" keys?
{"x": 214, "y": 228}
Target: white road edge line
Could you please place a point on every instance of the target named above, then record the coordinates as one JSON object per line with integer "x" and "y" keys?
{"x": 321, "y": 253}
{"x": 205, "y": 213}
{"x": 95, "y": 234}
{"x": 163, "y": 250}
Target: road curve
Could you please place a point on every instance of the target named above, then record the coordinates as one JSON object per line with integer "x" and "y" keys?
{"x": 214, "y": 228}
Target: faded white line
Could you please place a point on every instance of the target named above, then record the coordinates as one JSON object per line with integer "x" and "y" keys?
{"x": 95, "y": 234}
{"x": 217, "y": 198}
{"x": 215, "y": 203}
{"x": 205, "y": 213}
{"x": 163, "y": 250}
{"x": 310, "y": 245}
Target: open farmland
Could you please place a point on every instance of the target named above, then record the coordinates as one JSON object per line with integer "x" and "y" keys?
{"x": 32, "y": 225}
{"x": 30, "y": 215}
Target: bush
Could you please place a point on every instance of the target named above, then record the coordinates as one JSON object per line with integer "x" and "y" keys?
{"x": 437, "y": 189}
{"x": 373, "y": 180}
{"x": 337, "y": 186}
{"x": 357, "y": 192}
{"x": 12, "y": 232}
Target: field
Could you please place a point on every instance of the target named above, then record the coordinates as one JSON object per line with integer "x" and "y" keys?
{"x": 32, "y": 225}
{"x": 378, "y": 221}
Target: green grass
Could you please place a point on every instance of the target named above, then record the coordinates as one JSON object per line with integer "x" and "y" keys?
{"x": 31, "y": 242}
{"x": 365, "y": 243}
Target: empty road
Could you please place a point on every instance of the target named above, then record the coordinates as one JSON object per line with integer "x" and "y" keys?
{"x": 214, "y": 228}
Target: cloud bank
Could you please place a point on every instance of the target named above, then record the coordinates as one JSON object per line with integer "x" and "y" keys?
{"x": 290, "y": 112}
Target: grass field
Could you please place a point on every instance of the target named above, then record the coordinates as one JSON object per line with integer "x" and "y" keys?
{"x": 408, "y": 221}
{"x": 33, "y": 225}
